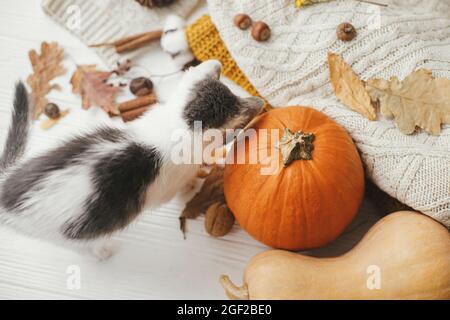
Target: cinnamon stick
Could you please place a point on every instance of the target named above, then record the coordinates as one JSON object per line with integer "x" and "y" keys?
{"x": 118, "y": 42}
{"x": 139, "y": 42}
{"x": 139, "y": 102}
{"x": 132, "y": 42}
{"x": 133, "y": 114}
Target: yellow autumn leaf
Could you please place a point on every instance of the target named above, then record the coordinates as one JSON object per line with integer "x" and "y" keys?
{"x": 48, "y": 123}
{"x": 349, "y": 89}
{"x": 417, "y": 101}
{"x": 300, "y": 3}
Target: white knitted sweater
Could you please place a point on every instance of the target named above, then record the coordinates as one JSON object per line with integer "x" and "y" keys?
{"x": 291, "y": 69}
{"x": 108, "y": 20}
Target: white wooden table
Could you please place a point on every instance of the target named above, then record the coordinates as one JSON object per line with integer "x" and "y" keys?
{"x": 154, "y": 261}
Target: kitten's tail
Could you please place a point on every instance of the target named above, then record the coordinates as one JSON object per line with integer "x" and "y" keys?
{"x": 18, "y": 130}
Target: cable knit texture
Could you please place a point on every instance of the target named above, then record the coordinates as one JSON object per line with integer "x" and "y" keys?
{"x": 291, "y": 69}
{"x": 109, "y": 20}
{"x": 205, "y": 43}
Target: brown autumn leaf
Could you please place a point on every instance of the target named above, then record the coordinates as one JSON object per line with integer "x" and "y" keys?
{"x": 77, "y": 76}
{"x": 49, "y": 123}
{"x": 211, "y": 192}
{"x": 349, "y": 88}
{"x": 46, "y": 66}
{"x": 418, "y": 101}
{"x": 92, "y": 85}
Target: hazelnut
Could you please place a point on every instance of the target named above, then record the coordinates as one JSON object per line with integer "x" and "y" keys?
{"x": 51, "y": 110}
{"x": 346, "y": 32}
{"x": 218, "y": 220}
{"x": 260, "y": 31}
{"x": 141, "y": 86}
{"x": 242, "y": 21}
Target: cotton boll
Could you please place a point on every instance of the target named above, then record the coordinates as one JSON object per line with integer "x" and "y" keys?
{"x": 174, "y": 41}
{"x": 174, "y": 22}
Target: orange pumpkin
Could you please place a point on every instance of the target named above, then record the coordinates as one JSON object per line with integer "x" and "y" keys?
{"x": 314, "y": 188}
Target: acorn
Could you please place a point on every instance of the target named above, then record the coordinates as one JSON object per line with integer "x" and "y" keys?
{"x": 141, "y": 86}
{"x": 52, "y": 111}
{"x": 242, "y": 21}
{"x": 346, "y": 32}
{"x": 260, "y": 31}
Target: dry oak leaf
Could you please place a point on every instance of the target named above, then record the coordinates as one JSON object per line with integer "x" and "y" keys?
{"x": 349, "y": 88}
{"x": 77, "y": 76}
{"x": 46, "y": 66}
{"x": 49, "y": 123}
{"x": 92, "y": 85}
{"x": 210, "y": 192}
{"x": 417, "y": 101}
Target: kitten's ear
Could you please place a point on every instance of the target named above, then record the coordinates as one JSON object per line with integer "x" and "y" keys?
{"x": 252, "y": 103}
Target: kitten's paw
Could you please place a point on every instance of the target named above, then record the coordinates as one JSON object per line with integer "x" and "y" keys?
{"x": 210, "y": 68}
{"x": 104, "y": 250}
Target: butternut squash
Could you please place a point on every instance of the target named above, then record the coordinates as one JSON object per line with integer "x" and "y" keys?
{"x": 406, "y": 255}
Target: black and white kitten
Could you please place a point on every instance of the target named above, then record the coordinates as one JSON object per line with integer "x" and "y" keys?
{"x": 96, "y": 184}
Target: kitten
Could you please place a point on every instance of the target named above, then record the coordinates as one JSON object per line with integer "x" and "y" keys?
{"x": 95, "y": 184}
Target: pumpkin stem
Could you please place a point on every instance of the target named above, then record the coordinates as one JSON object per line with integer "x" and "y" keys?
{"x": 296, "y": 146}
{"x": 232, "y": 291}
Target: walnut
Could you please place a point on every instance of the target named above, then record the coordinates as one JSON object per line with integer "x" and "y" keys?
{"x": 219, "y": 220}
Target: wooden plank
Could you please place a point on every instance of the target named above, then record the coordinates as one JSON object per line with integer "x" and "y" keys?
{"x": 154, "y": 261}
